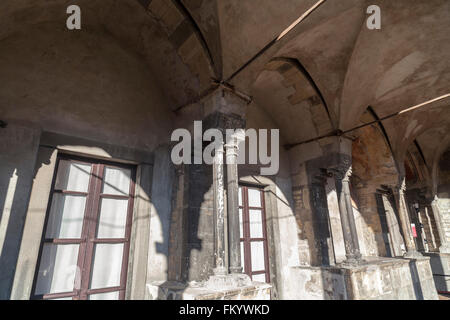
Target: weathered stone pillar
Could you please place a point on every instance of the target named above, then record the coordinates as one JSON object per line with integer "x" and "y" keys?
{"x": 321, "y": 219}
{"x": 445, "y": 245}
{"x": 219, "y": 212}
{"x": 352, "y": 251}
{"x": 233, "y": 206}
{"x": 411, "y": 250}
{"x": 177, "y": 226}
{"x": 226, "y": 214}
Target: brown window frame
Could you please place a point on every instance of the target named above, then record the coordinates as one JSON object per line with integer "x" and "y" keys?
{"x": 88, "y": 238}
{"x": 246, "y": 232}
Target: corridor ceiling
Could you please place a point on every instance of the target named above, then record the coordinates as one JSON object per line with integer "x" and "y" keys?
{"x": 320, "y": 77}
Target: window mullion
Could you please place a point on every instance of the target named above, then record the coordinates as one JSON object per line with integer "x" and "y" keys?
{"x": 129, "y": 220}
{"x": 95, "y": 186}
{"x": 82, "y": 249}
{"x": 264, "y": 226}
{"x": 247, "y": 249}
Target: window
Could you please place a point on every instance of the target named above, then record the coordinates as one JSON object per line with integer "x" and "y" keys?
{"x": 254, "y": 253}
{"x": 84, "y": 251}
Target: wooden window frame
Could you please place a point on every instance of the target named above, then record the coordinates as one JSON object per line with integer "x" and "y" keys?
{"x": 88, "y": 237}
{"x": 246, "y": 232}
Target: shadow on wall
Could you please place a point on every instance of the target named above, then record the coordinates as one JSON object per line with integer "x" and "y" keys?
{"x": 18, "y": 167}
{"x": 317, "y": 229}
{"x": 18, "y": 148}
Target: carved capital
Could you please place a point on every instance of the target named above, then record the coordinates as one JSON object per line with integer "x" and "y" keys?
{"x": 321, "y": 177}
{"x": 222, "y": 121}
{"x": 342, "y": 173}
{"x": 401, "y": 186}
{"x": 179, "y": 170}
{"x": 231, "y": 152}
{"x": 435, "y": 200}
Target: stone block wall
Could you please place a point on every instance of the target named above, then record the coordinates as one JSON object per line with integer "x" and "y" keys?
{"x": 378, "y": 279}
{"x": 199, "y": 249}
{"x": 430, "y": 230}
{"x": 440, "y": 264}
{"x": 444, "y": 208}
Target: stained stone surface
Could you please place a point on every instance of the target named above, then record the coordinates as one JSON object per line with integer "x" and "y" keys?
{"x": 195, "y": 291}
{"x": 376, "y": 279}
{"x": 440, "y": 265}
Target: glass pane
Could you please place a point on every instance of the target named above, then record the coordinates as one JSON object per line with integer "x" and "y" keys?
{"x": 242, "y": 256}
{"x": 113, "y": 216}
{"x": 240, "y": 196}
{"x": 73, "y": 176}
{"x": 57, "y": 269}
{"x": 256, "y": 226}
{"x": 241, "y": 224}
{"x": 116, "y": 181}
{"x": 254, "y": 198}
{"x": 259, "y": 277}
{"x": 257, "y": 249}
{"x": 107, "y": 265}
{"x": 66, "y": 216}
{"x": 105, "y": 296}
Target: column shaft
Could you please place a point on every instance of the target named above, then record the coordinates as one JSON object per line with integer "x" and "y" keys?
{"x": 352, "y": 251}
{"x": 351, "y": 217}
{"x": 234, "y": 246}
{"x": 405, "y": 221}
{"x": 219, "y": 210}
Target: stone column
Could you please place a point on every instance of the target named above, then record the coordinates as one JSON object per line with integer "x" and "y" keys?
{"x": 411, "y": 250}
{"x": 234, "y": 246}
{"x": 352, "y": 251}
{"x": 219, "y": 212}
{"x": 445, "y": 245}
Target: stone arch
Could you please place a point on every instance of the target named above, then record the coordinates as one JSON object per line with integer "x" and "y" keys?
{"x": 288, "y": 94}
{"x": 186, "y": 37}
{"x": 374, "y": 175}
{"x": 396, "y": 68}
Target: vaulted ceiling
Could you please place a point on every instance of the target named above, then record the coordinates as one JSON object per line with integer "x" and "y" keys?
{"x": 320, "y": 77}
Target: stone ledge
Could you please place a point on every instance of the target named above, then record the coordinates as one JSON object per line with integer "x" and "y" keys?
{"x": 440, "y": 265}
{"x": 374, "y": 279}
{"x": 160, "y": 290}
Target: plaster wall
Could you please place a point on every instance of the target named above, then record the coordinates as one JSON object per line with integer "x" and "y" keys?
{"x": 82, "y": 84}
{"x": 88, "y": 87}
{"x": 18, "y": 151}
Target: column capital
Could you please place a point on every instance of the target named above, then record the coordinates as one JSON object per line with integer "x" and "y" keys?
{"x": 222, "y": 121}
{"x": 322, "y": 175}
{"x": 218, "y": 153}
{"x": 435, "y": 200}
{"x": 342, "y": 172}
{"x": 231, "y": 152}
{"x": 401, "y": 187}
{"x": 179, "y": 170}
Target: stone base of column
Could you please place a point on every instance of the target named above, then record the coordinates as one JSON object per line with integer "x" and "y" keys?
{"x": 413, "y": 254}
{"x": 237, "y": 270}
{"x": 161, "y": 290}
{"x": 220, "y": 271}
{"x": 350, "y": 262}
{"x": 444, "y": 249}
{"x": 234, "y": 280}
